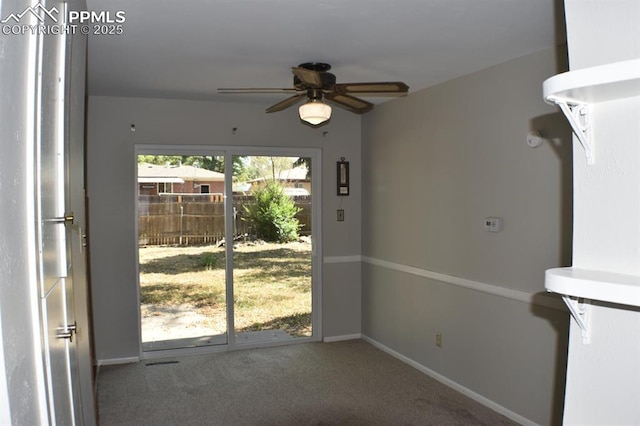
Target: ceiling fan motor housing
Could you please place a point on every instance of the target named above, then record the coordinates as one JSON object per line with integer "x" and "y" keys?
{"x": 315, "y": 66}
{"x": 327, "y": 79}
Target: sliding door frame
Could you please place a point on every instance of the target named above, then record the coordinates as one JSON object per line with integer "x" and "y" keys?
{"x": 228, "y": 152}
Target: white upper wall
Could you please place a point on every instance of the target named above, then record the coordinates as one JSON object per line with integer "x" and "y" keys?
{"x": 607, "y": 193}
{"x": 22, "y": 388}
{"x": 603, "y": 377}
{"x": 602, "y": 31}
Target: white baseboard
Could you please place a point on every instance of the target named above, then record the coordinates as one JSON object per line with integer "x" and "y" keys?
{"x": 342, "y": 338}
{"x": 114, "y": 361}
{"x": 456, "y": 386}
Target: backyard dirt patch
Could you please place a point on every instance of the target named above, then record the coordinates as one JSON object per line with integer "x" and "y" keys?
{"x": 182, "y": 289}
{"x": 173, "y": 322}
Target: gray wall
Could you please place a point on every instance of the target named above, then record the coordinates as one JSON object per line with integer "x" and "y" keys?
{"x": 435, "y": 164}
{"x": 111, "y": 191}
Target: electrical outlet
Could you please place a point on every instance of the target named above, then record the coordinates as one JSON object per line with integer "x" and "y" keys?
{"x": 439, "y": 340}
{"x": 340, "y": 215}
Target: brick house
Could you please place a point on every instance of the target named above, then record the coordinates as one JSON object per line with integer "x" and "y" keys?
{"x": 156, "y": 179}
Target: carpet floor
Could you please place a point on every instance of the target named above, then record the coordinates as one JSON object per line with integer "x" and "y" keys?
{"x": 342, "y": 383}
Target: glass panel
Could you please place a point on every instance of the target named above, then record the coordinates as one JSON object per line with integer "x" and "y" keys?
{"x": 272, "y": 257}
{"x": 181, "y": 251}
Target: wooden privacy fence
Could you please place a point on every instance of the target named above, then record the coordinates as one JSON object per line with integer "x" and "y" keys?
{"x": 187, "y": 219}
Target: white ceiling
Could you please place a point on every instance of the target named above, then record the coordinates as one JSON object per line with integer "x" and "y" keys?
{"x": 187, "y": 49}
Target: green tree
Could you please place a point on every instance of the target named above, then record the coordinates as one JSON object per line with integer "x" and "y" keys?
{"x": 304, "y": 162}
{"x": 160, "y": 159}
{"x": 243, "y": 170}
{"x": 267, "y": 167}
{"x": 273, "y": 214}
{"x": 207, "y": 162}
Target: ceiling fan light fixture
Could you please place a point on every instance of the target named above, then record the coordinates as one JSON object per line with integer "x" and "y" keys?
{"x": 313, "y": 82}
{"x": 315, "y": 112}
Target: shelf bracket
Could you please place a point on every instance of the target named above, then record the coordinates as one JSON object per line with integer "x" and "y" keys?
{"x": 580, "y": 310}
{"x": 578, "y": 116}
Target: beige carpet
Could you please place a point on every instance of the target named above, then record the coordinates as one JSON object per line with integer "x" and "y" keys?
{"x": 344, "y": 383}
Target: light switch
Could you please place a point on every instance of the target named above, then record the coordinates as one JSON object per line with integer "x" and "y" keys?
{"x": 493, "y": 224}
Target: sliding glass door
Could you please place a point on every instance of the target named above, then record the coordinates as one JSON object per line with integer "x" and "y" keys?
{"x": 272, "y": 249}
{"x": 181, "y": 255}
{"x": 227, "y": 241}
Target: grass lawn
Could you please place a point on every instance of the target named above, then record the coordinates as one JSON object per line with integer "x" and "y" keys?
{"x": 272, "y": 284}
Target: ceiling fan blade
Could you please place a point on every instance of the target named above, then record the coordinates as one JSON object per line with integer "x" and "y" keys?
{"x": 309, "y": 77}
{"x": 395, "y": 88}
{"x": 256, "y": 90}
{"x": 286, "y": 103}
{"x": 350, "y": 103}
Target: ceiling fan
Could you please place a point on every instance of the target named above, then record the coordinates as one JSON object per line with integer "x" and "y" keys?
{"x": 313, "y": 82}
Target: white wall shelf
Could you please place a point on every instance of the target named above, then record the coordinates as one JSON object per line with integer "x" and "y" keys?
{"x": 596, "y": 285}
{"x": 575, "y": 91}
{"x": 579, "y": 286}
